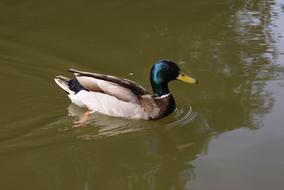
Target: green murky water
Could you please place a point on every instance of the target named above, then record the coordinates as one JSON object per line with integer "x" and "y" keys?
{"x": 226, "y": 133}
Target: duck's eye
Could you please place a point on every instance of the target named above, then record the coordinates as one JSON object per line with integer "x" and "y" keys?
{"x": 182, "y": 75}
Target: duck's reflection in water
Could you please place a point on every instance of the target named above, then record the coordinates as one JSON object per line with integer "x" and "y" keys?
{"x": 105, "y": 126}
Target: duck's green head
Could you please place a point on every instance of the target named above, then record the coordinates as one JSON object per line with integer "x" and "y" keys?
{"x": 163, "y": 72}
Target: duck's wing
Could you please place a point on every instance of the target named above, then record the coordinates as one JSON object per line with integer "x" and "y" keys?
{"x": 120, "y": 88}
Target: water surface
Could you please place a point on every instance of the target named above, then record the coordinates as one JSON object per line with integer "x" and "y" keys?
{"x": 226, "y": 133}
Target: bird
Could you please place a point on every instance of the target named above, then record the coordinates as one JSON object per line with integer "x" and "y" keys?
{"x": 120, "y": 97}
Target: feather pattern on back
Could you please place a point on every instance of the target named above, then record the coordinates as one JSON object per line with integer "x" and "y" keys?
{"x": 131, "y": 85}
{"x": 110, "y": 88}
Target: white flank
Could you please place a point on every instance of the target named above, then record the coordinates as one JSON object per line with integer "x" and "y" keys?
{"x": 108, "y": 105}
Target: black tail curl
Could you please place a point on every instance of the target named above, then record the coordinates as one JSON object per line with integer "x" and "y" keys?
{"x": 75, "y": 86}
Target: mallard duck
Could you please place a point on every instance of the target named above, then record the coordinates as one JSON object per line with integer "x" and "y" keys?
{"x": 121, "y": 97}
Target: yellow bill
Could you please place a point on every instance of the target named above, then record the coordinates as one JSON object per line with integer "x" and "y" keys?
{"x": 185, "y": 78}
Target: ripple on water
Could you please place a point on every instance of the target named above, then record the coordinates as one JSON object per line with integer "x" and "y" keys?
{"x": 183, "y": 116}
{"x": 110, "y": 126}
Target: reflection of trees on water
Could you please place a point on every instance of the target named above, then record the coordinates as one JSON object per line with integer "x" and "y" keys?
{"x": 240, "y": 61}
{"x": 231, "y": 95}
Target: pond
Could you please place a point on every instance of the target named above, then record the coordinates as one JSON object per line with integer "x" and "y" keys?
{"x": 226, "y": 132}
